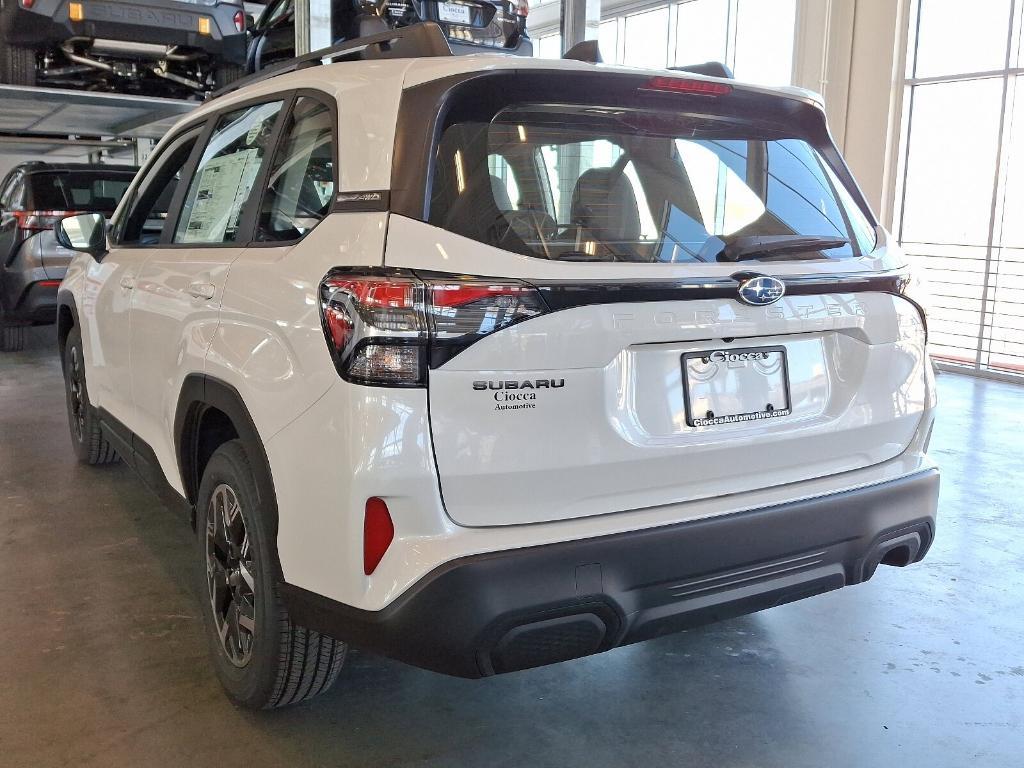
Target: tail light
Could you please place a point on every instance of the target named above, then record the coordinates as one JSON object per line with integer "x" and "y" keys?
{"x": 687, "y": 85}
{"x": 239, "y": 21}
{"x": 390, "y": 327}
{"x": 523, "y": 8}
{"x": 39, "y": 221}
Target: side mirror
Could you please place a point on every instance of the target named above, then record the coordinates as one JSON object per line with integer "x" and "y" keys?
{"x": 86, "y": 232}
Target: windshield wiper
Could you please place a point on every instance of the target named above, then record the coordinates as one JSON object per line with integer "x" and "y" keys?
{"x": 776, "y": 246}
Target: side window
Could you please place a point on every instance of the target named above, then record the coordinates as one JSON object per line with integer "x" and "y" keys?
{"x": 15, "y": 200}
{"x": 5, "y": 192}
{"x": 300, "y": 186}
{"x": 223, "y": 181}
{"x": 143, "y": 223}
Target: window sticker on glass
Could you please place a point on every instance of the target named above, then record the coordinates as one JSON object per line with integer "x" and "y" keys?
{"x": 226, "y": 174}
{"x": 217, "y": 205}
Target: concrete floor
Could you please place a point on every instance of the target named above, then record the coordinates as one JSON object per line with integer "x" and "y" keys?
{"x": 102, "y": 662}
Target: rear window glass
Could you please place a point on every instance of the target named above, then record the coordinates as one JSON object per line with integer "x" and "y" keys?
{"x": 589, "y": 183}
{"x": 90, "y": 191}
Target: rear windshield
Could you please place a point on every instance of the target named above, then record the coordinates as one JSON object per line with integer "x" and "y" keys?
{"x": 98, "y": 191}
{"x": 590, "y": 183}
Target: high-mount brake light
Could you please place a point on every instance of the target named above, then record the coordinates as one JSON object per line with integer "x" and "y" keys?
{"x": 687, "y": 85}
{"x": 384, "y": 329}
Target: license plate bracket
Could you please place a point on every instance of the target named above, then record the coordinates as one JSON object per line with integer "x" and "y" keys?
{"x": 731, "y": 386}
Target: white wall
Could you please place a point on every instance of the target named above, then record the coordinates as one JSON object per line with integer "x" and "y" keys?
{"x": 854, "y": 53}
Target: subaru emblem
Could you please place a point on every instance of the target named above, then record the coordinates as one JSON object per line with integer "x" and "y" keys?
{"x": 761, "y": 290}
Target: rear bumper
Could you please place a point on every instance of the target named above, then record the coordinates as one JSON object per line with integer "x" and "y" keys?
{"x": 142, "y": 21}
{"x": 503, "y": 611}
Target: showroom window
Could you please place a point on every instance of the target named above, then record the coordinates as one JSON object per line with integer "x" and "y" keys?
{"x": 960, "y": 192}
{"x": 753, "y": 37}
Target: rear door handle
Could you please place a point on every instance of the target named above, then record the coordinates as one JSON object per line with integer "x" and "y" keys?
{"x": 127, "y": 283}
{"x": 201, "y": 290}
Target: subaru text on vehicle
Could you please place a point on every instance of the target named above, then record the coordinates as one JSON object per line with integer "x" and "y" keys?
{"x": 485, "y": 363}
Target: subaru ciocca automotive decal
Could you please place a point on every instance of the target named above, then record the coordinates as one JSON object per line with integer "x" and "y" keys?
{"x": 761, "y": 290}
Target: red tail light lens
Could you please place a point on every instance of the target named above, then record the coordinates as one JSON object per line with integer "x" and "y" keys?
{"x": 386, "y": 329}
{"x": 375, "y": 328}
{"x": 523, "y": 8}
{"x": 687, "y": 85}
{"x": 477, "y": 308}
{"x": 39, "y": 221}
{"x": 378, "y": 533}
{"x": 240, "y": 21}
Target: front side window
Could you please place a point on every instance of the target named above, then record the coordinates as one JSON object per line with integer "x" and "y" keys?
{"x": 223, "y": 181}
{"x": 300, "y": 187}
{"x": 641, "y": 185}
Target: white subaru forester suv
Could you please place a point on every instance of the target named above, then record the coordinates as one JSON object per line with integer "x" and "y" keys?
{"x": 485, "y": 363}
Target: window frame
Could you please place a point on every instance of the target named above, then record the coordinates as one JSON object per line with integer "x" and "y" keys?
{"x": 279, "y": 143}
{"x": 207, "y": 124}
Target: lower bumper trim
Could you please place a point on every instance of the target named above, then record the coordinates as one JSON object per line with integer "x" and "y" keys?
{"x": 503, "y": 611}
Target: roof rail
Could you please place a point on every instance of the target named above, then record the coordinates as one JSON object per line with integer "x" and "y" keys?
{"x": 587, "y": 51}
{"x": 710, "y": 68}
{"x": 415, "y": 41}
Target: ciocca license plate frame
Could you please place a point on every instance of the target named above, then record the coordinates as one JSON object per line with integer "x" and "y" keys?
{"x": 737, "y": 372}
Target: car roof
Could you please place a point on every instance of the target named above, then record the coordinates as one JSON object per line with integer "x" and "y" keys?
{"x": 400, "y": 74}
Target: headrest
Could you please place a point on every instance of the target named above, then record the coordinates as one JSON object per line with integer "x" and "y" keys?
{"x": 500, "y": 193}
{"x": 604, "y": 203}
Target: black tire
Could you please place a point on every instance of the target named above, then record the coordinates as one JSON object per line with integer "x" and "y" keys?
{"x": 17, "y": 64}
{"x": 12, "y": 338}
{"x": 225, "y": 74}
{"x": 275, "y": 663}
{"x": 91, "y": 447}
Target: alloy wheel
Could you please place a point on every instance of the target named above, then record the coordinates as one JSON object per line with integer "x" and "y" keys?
{"x": 230, "y": 575}
{"x": 75, "y": 393}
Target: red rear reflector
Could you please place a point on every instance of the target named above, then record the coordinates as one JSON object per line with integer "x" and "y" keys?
{"x": 49, "y": 283}
{"x": 378, "y": 533}
{"x": 686, "y": 85}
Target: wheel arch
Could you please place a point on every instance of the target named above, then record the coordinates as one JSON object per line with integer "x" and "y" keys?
{"x": 67, "y": 318}
{"x": 209, "y": 413}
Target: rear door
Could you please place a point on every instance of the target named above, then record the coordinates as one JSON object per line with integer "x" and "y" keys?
{"x": 176, "y": 305}
{"x": 649, "y": 378}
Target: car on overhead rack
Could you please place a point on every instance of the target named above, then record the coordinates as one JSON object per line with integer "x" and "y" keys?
{"x": 485, "y": 363}
{"x": 183, "y": 48}
{"x": 33, "y": 196}
{"x": 470, "y": 25}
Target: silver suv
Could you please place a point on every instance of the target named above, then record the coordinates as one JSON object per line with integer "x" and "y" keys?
{"x": 33, "y": 197}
